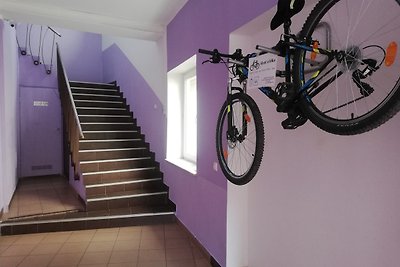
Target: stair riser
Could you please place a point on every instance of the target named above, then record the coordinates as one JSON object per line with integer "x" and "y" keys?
{"x": 113, "y": 135}
{"x": 86, "y": 225}
{"x": 106, "y": 190}
{"x": 108, "y": 127}
{"x": 96, "y": 97}
{"x": 103, "y": 112}
{"x": 121, "y": 176}
{"x": 93, "y": 85}
{"x": 111, "y": 145}
{"x": 111, "y": 104}
{"x": 106, "y": 119}
{"x": 114, "y": 154}
{"x": 156, "y": 200}
{"x": 108, "y": 166}
{"x": 96, "y": 91}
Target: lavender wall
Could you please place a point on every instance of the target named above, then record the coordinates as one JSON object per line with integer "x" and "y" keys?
{"x": 202, "y": 199}
{"x": 82, "y": 58}
{"x": 145, "y": 105}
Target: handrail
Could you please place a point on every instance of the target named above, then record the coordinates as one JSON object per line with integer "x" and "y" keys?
{"x": 72, "y": 126}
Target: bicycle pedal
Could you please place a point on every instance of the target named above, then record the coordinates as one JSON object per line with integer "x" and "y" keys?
{"x": 294, "y": 121}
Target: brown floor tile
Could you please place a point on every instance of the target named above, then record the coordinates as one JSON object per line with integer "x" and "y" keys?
{"x": 73, "y": 247}
{"x": 177, "y": 243}
{"x": 18, "y": 250}
{"x": 181, "y": 263}
{"x": 146, "y": 255}
{"x": 95, "y": 258}
{"x": 100, "y": 246}
{"x": 81, "y": 236}
{"x": 179, "y": 254}
{"x": 122, "y": 264}
{"x": 124, "y": 256}
{"x": 152, "y": 264}
{"x": 126, "y": 245}
{"x": 152, "y": 243}
{"x": 104, "y": 236}
{"x": 11, "y": 261}
{"x": 8, "y": 240}
{"x": 203, "y": 263}
{"x": 67, "y": 260}
{"x": 44, "y": 248}
{"x": 59, "y": 237}
{"x": 29, "y": 239}
{"x": 36, "y": 261}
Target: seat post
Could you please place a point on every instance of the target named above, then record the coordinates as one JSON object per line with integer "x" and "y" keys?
{"x": 286, "y": 38}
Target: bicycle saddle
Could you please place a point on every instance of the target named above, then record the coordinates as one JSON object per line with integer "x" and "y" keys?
{"x": 286, "y": 10}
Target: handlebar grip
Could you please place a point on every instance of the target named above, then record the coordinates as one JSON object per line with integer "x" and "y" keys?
{"x": 207, "y": 52}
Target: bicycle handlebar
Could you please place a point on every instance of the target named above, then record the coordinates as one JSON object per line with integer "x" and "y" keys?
{"x": 215, "y": 52}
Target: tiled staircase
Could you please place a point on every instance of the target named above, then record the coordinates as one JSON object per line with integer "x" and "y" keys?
{"x": 123, "y": 182}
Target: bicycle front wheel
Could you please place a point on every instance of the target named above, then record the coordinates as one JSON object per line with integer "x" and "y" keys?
{"x": 240, "y": 149}
{"x": 359, "y": 89}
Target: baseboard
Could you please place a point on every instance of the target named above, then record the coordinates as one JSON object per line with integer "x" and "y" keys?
{"x": 194, "y": 240}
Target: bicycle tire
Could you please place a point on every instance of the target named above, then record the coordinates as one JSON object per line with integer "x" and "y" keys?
{"x": 374, "y": 108}
{"x": 240, "y": 160}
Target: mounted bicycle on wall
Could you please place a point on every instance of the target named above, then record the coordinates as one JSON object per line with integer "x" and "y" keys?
{"x": 345, "y": 84}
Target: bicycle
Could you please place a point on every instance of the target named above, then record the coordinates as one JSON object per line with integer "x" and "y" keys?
{"x": 344, "y": 78}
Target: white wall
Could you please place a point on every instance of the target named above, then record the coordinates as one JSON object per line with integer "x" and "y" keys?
{"x": 318, "y": 199}
{"x": 8, "y": 114}
{"x": 148, "y": 57}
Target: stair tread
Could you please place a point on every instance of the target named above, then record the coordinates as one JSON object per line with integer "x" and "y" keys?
{"x": 139, "y": 210}
{"x": 118, "y": 182}
{"x": 127, "y": 194}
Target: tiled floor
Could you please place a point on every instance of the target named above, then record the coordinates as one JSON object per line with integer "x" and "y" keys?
{"x": 41, "y": 195}
{"x": 140, "y": 246}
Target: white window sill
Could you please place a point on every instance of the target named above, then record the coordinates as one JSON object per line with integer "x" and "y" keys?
{"x": 184, "y": 164}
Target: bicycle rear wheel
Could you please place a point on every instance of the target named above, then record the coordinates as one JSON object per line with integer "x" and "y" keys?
{"x": 361, "y": 86}
{"x": 240, "y": 150}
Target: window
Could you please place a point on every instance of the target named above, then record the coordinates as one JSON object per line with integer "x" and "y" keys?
{"x": 182, "y": 116}
{"x": 190, "y": 119}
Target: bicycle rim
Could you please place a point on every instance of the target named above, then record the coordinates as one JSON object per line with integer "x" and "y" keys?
{"x": 363, "y": 83}
{"x": 240, "y": 154}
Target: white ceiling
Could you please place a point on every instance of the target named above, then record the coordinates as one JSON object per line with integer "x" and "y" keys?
{"x": 142, "y": 19}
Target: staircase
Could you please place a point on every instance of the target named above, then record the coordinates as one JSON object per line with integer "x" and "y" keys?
{"x": 123, "y": 182}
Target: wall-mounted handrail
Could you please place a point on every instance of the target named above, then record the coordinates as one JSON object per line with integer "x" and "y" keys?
{"x": 72, "y": 127}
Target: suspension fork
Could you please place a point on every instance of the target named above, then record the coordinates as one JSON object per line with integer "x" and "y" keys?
{"x": 232, "y": 132}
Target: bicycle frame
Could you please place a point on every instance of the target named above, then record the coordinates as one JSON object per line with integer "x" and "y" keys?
{"x": 297, "y": 44}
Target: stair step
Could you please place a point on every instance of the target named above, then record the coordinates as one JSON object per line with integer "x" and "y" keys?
{"x": 88, "y": 155}
{"x": 108, "y": 126}
{"x": 102, "y": 111}
{"x": 128, "y": 199}
{"x": 116, "y": 164}
{"x": 121, "y": 175}
{"x": 82, "y": 84}
{"x": 106, "y": 118}
{"x": 79, "y": 96}
{"x": 100, "y": 103}
{"x": 118, "y": 171}
{"x": 104, "y": 189}
{"x": 91, "y": 220}
{"x": 126, "y": 134}
{"x": 130, "y": 182}
{"x": 88, "y": 90}
{"x": 105, "y": 144}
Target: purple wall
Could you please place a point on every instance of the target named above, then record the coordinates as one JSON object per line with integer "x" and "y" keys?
{"x": 81, "y": 55}
{"x": 82, "y": 58}
{"x": 206, "y": 24}
{"x": 145, "y": 105}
